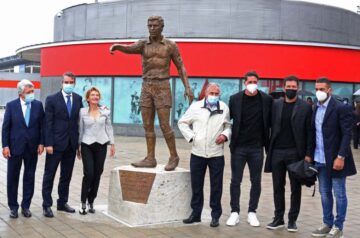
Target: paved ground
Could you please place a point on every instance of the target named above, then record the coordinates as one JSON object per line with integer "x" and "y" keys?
{"x": 133, "y": 148}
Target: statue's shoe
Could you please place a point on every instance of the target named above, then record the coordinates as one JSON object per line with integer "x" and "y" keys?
{"x": 172, "y": 163}
{"x": 145, "y": 163}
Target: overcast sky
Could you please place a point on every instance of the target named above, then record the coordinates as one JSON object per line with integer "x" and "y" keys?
{"x": 28, "y": 22}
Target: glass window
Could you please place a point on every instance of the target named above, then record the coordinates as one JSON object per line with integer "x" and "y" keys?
{"x": 182, "y": 104}
{"x": 127, "y": 109}
{"x": 104, "y": 84}
{"x": 308, "y": 91}
{"x": 127, "y": 100}
{"x": 343, "y": 91}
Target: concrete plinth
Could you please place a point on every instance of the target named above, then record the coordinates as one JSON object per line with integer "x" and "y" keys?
{"x": 142, "y": 196}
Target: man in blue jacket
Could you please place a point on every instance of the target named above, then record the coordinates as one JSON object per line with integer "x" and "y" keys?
{"x": 22, "y": 140}
{"x": 332, "y": 122}
{"x": 61, "y": 141}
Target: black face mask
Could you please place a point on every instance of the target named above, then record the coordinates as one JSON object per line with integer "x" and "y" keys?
{"x": 290, "y": 93}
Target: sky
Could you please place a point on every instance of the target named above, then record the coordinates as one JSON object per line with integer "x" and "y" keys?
{"x": 28, "y": 22}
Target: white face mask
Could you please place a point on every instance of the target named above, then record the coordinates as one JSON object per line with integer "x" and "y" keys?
{"x": 251, "y": 88}
{"x": 321, "y": 96}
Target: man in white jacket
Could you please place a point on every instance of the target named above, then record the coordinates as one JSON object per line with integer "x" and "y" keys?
{"x": 206, "y": 124}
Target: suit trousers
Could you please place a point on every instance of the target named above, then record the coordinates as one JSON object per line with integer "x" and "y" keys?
{"x": 66, "y": 159}
{"x": 93, "y": 158}
{"x": 13, "y": 174}
{"x": 281, "y": 159}
{"x": 198, "y": 167}
{"x": 241, "y": 156}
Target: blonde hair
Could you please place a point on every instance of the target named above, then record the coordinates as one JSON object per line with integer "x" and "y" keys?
{"x": 88, "y": 92}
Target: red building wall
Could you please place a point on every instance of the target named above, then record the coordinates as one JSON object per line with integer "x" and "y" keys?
{"x": 208, "y": 59}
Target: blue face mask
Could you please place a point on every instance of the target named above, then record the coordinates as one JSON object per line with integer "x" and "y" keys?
{"x": 212, "y": 99}
{"x": 68, "y": 88}
{"x": 29, "y": 97}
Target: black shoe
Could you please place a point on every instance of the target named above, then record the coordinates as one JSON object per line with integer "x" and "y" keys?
{"x": 276, "y": 224}
{"x": 65, "y": 208}
{"x": 26, "y": 212}
{"x": 82, "y": 209}
{"x": 292, "y": 226}
{"x": 13, "y": 213}
{"x": 91, "y": 208}
{"x": 48, "y": 212}
{"x": 214, "y": 222}
{"x": 192, "y": 218}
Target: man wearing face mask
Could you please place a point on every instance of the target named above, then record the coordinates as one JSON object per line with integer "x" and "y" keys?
{"x": 61, "y": 141}
{"x": 332, "y": 122}
{"x": 22, "y": 140}
{"x": 206, "y": 124}
{"x": 292, "y": 139}
{"x": 250, "y": 110}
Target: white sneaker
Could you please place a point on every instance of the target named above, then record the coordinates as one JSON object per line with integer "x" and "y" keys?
{"x": 233, "y": 219}
{"x": 252, "y": 219}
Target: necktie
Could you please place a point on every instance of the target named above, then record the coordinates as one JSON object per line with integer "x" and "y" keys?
{"x": 27, "y": 114}
{"x": 68, "y": 104}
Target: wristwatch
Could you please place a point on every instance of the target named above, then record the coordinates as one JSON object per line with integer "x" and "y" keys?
{"x": 341, "y": 157}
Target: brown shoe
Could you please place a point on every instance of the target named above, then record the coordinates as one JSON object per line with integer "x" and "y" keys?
{"x": 172, "y": 163}
{"x": 145, "y": 163}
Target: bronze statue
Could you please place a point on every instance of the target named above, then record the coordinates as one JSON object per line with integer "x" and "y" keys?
{"x": 157, "y": 53}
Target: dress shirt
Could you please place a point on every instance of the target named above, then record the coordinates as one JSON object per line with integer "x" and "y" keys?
{"x": 319, "y": 119}
{"x": 65, "y": 97}
{"x": 23, "y": 106}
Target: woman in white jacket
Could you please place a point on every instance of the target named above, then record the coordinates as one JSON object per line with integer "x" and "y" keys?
{"x": 206, "y": 124}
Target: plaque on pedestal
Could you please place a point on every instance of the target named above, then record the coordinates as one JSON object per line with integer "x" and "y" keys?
{"x": 149, "y": 196}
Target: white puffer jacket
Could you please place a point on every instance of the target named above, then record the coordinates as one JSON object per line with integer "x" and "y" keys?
{"x": 201, "y": 127}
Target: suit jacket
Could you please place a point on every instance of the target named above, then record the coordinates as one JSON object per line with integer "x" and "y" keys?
{"x": 301, "y": 127}
{"x": 336, "y": 130}
{"x": 60, "y": 129}
{"x": 235, "y": 106}
{"x": 16, "y": 135}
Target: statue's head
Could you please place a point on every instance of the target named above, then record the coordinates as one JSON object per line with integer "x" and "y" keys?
{"x": 155, "y": 25}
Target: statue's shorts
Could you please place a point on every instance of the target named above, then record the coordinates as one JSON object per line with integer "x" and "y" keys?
{"x": 156, "y": 92}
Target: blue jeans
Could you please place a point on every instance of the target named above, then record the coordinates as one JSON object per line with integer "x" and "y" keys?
{"x": 326, "y": 186}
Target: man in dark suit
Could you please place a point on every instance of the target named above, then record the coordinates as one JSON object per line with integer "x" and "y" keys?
{"x": 251, "y": 113}
{"x": 61, "y": 141}
{"x": 22, "y": 140}
{"x": 292, "y": 139}
{"x": 332, "y": 122}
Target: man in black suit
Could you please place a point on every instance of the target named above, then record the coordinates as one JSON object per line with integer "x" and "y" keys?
{"x": 61, "y": 141}
{"x": 251, "y": 113}
{"x": 22, "y": 140}
{"x": 332, "y": 123}
{"x": 292, "y": 139}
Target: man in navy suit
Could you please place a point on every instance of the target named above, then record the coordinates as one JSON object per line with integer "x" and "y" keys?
{"x": 332, "y": 122}
{"x": 61, "y": 141}
{"x": 22, "y": 140}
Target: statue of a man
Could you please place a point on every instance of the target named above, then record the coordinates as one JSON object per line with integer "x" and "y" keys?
{"x": 157, "y": 53}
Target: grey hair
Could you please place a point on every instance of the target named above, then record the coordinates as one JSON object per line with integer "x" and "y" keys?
{"x": 213, "y": 85}
{"x": 22, "y": 84}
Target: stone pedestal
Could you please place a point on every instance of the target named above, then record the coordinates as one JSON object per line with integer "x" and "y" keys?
{"x": 142, "y": 196}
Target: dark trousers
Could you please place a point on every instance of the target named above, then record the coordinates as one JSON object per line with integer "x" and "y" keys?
{"x": 281, "y": 158}
{"x": 254, "y": 157}
{"x": 356, "y": 136}
{"x": 13, "y": 174}
{"x": 198, "y": 167}
{"x": 66, "y": 160}
{"x": 93, "y": 158}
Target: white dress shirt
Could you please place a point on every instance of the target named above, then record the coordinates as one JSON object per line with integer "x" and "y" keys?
{"x": 23, "y": 106}
{"x": 65, "y": 97}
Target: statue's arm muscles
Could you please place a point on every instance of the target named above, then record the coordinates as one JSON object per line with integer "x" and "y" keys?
{"x": 176, "y": 58}
{"x": 134, "y": 48}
